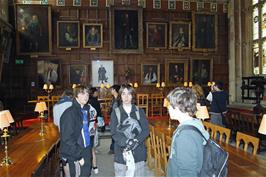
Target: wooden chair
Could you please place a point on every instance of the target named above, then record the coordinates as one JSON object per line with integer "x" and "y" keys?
{"x": 156, "y": 104}
{"x": 247, "y": 139}
{"x": 55, "y": 99}
{"x": 210, "y": 128}
{"x": 224, "y": 133}
{"x": 161, "y": 154}
{"x": 249, "y": 123}
{"x": 143, "y": 102}
{"x": 151, "y": 148}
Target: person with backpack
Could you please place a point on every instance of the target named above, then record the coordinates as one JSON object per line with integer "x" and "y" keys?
{"x": 114, "y": 104}
{"x": 186, "y": 157}
{"x": 129, "y": 129}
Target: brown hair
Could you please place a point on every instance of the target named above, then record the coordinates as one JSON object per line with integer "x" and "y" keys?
{"x": 80, "y": 89}
{"x": 184, "y": 99}
{"x": 198, "y": 90}
{"x": 130, "y": 89}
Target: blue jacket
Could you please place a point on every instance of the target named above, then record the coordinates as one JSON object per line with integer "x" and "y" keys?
{"x": 186, "y": 155}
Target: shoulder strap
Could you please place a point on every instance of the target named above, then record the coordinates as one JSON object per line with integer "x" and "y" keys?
{"x": 118, "y": 115}
{"x": 190, "y": 127}
{"x": 137, "y": 113}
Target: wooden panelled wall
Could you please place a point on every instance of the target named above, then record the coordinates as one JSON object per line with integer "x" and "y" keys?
{"x": 27, "y": 73}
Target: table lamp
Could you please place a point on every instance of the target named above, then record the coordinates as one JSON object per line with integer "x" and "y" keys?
{"x": 40, "y": 108}
{"x": 5, "y": 120}
{"x": 202, "y": 112}
{"x": 262, "y": 129}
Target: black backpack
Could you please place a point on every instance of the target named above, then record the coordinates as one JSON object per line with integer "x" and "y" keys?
{"x": 215, "y": 159}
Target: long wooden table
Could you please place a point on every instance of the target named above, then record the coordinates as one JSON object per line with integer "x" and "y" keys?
{"x": 27, "y": 149}
{"x": 241, "y": 164}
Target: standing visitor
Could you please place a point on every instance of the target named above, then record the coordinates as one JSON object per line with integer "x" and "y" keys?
{"x": 129, "y": 128}
{"x": 75, "y": 135}
{"x": 186, "y": 156}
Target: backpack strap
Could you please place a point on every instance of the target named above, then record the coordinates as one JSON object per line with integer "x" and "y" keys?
{"x": 191, "y": 127}
{"x": 118, "y": 115}
{"x": 137, "y": 113}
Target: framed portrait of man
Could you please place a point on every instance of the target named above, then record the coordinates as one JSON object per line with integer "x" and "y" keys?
{"x": 126, "y": 30}
{"x": 179, "y": 35}
{"x": 77, "y": 74}
{"x": 33, "y": 34}
{"x": 156, "y": 35}
{"x": 102, "y": 72}
{"x": 68, "y": 34}
{"x": 176, "y": 72}
{"x": 92, "y": 35}
{"x": 150, "y": 73}
{"x": 48, "y": 72}
{"x": 201, "y": 70}
{"x": 204, "y": 32}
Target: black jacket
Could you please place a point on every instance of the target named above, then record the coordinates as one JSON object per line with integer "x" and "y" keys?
{"x": 140, "y": 152}
{"x": 71, "y": 142}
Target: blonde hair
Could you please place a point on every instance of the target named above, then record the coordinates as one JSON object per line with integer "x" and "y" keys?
{"x": 198, "y": 90}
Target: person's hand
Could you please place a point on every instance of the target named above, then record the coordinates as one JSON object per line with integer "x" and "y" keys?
{"x": 131, "y": 144}
{"x": 81, "y": 162}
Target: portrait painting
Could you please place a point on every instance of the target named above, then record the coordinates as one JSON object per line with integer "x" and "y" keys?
{"x": 150, "y": 73}
{"x": 92, "y": 35}
{"x": 48, "y": 72}
{"x": 102, "y": 72}
{"x": 77, "y": 74}
{"x": 176, "y": 72}
{"x": 68, "y": 34}
{"x": 126, "y": 28}
{"x": 204, "y": 32}
{"x": 156, "y": 35}
{"x": 201, "y": 71}
{"x": 179, "y": 35}
{"x": 33, "y": 34}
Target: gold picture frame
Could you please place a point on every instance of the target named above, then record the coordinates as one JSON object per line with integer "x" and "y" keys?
{"x": 201, "y": 70}
{"x": 156, "y": 35}
{"x": 68, "y": 34}
{"x": 150, "y": 73}
{"x": 180, "y": 35}
{"x": 176, "y": 72}
{"x": 33, "y": 29}
{"x": 126, "y": 30}
{"x": 92, "y": 35}
{"x": 204, "y": 31}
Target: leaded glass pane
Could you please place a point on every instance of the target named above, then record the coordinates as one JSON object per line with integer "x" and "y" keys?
{"x": 255, "y": 24}
{"x": 256, "y": 69}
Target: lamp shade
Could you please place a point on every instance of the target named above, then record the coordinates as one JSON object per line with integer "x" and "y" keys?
{"x": 202, "y": 112}
{"x": 74, "y": 86}
{"x": 163, "y": 84}
{"x": 45, "y": 86}
{"x": 185, "y": 84}
{"x": 40, "y": 107}
{"x": 166, "y": 103}
{"x": 51, "y": 86}
{"x": 136, "y": 85}
{"x": 3, "y": 120}
{"x": 108, "y": 85}
{"x": 9, "y": 116}
{"x": 102, "y": 86}
{"x": 262, "y": 129}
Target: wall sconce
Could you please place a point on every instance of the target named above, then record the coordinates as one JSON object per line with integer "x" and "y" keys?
{"x": 188, "y": 84}
{"x": 161, "y": 86}
{"x": 40, "y": 108}
{"x": 5, "y": 120}
{"x": 103, "y": 90}
{"x": 48, "y": 88}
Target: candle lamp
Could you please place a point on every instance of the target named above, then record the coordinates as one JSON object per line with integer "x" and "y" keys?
{"x": 40, "y": 108}
{"x": 5, "y": 120}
